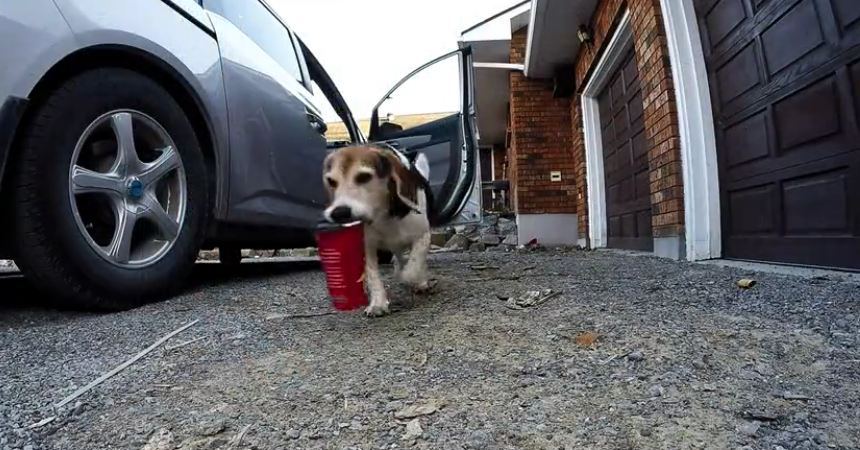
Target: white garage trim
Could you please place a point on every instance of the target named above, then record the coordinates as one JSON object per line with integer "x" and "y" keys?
{"x": 615, "y": 50}
{"x": 695, "y": 121}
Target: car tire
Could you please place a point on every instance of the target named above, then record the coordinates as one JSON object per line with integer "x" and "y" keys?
{"x": 59, "y": 226}
{"x": 230, "y": 256}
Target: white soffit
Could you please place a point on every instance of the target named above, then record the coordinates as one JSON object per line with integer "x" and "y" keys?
{"x": 552, "y": 39}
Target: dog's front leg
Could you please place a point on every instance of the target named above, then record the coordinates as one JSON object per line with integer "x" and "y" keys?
{"x": 415, "y": 271}
{"x": 378, "y": 299}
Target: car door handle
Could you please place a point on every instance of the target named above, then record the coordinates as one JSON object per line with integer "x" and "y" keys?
{"x": 317, "y": 123}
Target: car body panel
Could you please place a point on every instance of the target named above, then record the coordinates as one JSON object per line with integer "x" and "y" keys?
{"x": 35, "y": 37}
{"x": 274, "y": 147}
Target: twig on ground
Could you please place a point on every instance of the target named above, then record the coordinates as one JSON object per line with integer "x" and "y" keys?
{"x": 42, "y": 423}
{"x": 183, "y": 344}
{"x": 122, "y": 366}
{"x": 237, "y": 440}
{"x": 614, "y": 357}
{"x": 299, "y": 316}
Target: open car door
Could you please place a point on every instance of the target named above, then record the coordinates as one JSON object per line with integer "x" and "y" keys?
{"x": 432, "y": 111}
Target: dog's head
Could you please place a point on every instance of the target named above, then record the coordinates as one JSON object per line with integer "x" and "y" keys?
{"x": 365, "y": 183}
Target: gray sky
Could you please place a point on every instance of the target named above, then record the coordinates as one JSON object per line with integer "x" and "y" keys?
{"x": 369, "y": 45}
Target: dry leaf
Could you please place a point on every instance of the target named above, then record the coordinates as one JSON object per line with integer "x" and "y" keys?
{"x": 586, "y": 339}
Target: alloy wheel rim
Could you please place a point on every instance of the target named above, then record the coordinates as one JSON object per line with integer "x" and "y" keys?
{"x": 128, "y": 189}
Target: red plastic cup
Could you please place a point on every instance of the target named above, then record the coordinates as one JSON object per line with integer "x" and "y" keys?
{"x": 341, "y": 250}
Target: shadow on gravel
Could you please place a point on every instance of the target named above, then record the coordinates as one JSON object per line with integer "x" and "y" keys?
{"x": 214, "y": 274}
{"x": 17, "y": 295}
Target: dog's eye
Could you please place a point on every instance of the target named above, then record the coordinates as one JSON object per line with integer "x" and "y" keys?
{"x": 363, "y": 178}
{"x": 331, "y": 182}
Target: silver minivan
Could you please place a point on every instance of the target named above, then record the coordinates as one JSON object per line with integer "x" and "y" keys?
{"x": 133, "y": 133}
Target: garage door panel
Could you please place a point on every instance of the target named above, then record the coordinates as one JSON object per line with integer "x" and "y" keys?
{"x": 751, "y": 211}
{"x": 625, "y": 159}
{"x": 747, "y": 140}
{"x": 785, "y": 81}
{"x": 809, "y": 114}
{"x": 847, "y": 12}
{"x": 805, "y": 212}
{"x": 734, "y": 78}
{"x": 723, "y": 18}
{"x": 640, "y": 145}
{"x": 840, "y": 252}
{"x": 802, "y": 24}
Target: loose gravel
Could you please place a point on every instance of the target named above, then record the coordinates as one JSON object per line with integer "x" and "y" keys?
{"x": 683, "y": 359}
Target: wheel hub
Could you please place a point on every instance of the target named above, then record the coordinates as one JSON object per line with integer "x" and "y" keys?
{"x": 135, "y": 189}
{"x": 129, "y": 201}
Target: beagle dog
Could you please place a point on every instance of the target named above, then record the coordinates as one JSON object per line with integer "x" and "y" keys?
{"x": 390, "y": 194}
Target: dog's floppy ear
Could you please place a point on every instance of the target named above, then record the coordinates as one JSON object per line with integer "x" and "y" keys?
{"x": 328, "y": 163}
{"x": 382, "y": 165}
{"x": 402, "y": 188}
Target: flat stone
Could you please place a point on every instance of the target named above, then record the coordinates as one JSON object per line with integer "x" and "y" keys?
{"x": 491, "y": 239}
{"x": 458, "y": 242}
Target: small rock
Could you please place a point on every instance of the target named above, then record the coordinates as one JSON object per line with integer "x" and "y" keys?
{"x": 458, "y": 242}
{"x": 440, "y": 238}
{"x": 77, "y": 409}
{"x": 761, "y": 415}
{"x": 645, "y": 432}
{"x": 479, "y": 440}
{"x": 491, "y": 239}
{"x": 764, "y": 370}
{"x": 656, "y": 391}
{"x": 413, "y": 430}
{"x": 212, "y": 428}
{"x": 293, "y": 434}
{"x": 746, "y": 283}
{"x": 477, "y": 247}
{"x": 160, "y": 440}
{"x": 700, "y": 364}
{"x": 636, "y": 356}
{"x": 398, "y": 394}
{"x": 748, "y": 428}
{"x": 413, "y": 411}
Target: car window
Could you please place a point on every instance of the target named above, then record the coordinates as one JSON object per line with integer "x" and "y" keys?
{"x": 256, "y": 21}
{"x": 427, "y": 96}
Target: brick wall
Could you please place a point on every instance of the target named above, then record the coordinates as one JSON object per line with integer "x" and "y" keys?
{"x": 542, "y": 141}
{"x": 661, "y": 124}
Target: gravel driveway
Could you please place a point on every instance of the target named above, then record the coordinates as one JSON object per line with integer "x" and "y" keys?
{"x": 682, "y": 359}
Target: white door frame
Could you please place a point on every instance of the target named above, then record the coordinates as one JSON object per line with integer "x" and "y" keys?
{"x": 615, "y": 50}
{"x": 696, "y": 125}
{"x": 695, "y": 122}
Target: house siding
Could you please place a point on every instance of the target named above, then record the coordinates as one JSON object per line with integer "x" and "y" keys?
{"x": 542, "y": 141}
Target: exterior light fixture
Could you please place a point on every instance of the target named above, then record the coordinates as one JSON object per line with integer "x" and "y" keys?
{"x": 584, "y": 34}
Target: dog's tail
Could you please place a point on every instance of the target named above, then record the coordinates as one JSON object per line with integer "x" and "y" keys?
{"x": 422, "y": 165}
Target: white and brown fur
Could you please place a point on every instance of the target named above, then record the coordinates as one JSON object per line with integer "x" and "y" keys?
{"x": 378, "y": 189}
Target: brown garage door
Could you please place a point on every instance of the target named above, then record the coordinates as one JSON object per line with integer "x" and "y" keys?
{"x": 785, "y": 85}
{"x": 625, "y": 159}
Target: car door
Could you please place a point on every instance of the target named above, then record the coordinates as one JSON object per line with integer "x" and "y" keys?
{"x": 432, "y": 111}
{"x": 276, "y": 131}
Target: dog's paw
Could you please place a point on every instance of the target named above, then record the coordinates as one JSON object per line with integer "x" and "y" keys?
{"x": 376, "y": 310}
{"x": 424, "y": 288}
